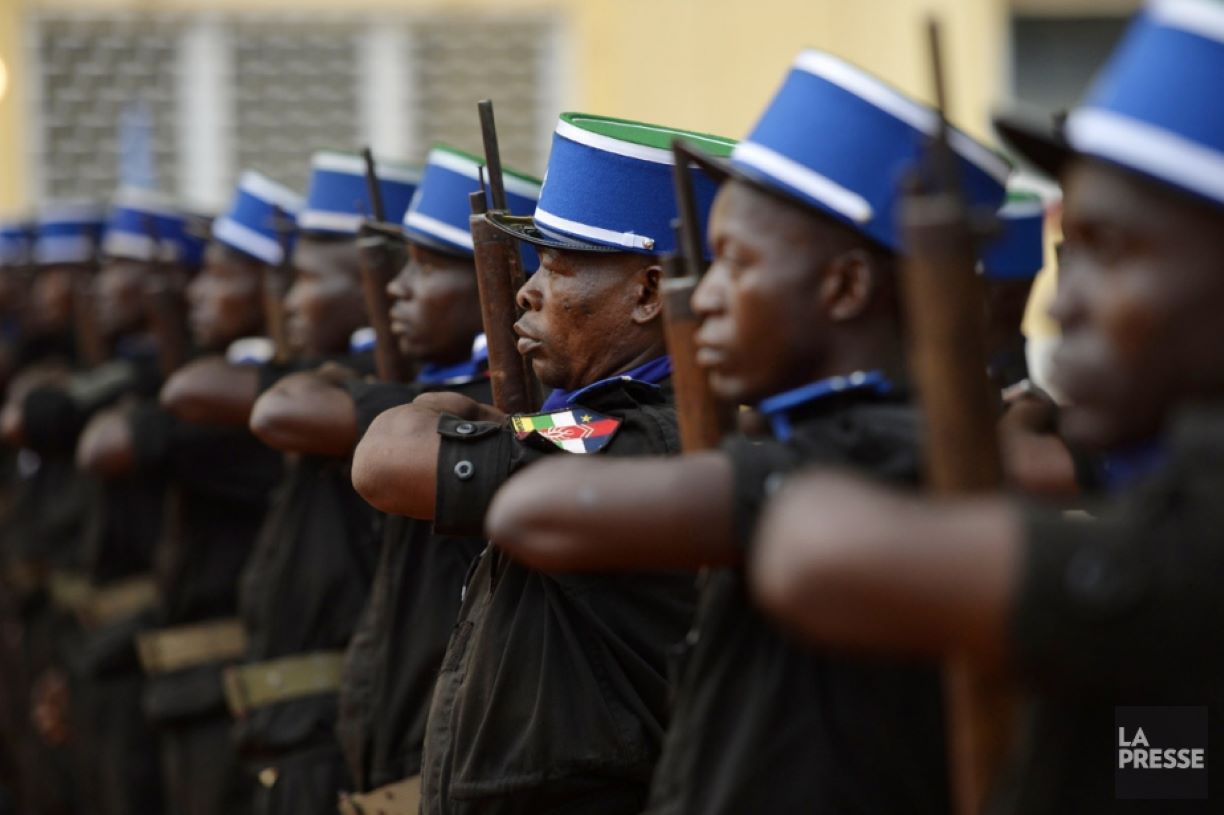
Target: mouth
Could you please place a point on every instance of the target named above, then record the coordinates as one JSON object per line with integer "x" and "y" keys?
{"x": 526, "y": 342}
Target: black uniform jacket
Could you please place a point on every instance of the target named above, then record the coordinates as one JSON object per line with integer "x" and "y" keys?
{"x": 304, "y": 587}
{"x": 395, "y": 653}
{"x": 1124, "y": 609}
{"x": 553, "y": 687}
{"x": 765, "y": 723}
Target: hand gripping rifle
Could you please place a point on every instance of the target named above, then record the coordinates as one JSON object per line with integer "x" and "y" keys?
{"x": 948, "y": 364}
{"x": 499, "y": 276}
{"x": 382, "y": 251}
{"x": 704, "y": 420}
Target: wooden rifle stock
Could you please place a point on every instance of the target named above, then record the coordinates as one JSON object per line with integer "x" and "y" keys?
{"x": 948, "y": 363}
{"x": 276, "y": 281}
{"x": 382, "y": 252}
{"x": 704, "y": 420}
{"x": 499, "y": 276}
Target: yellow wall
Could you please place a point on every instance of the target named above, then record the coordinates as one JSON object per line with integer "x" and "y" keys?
{"x": 704, "y": 64}
{"x": 13, "y": 182}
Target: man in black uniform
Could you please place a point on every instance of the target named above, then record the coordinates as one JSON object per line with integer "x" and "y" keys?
{"x": 799, "y": 317}
{"x": 553, "y": 692}
{"x": 42, "y": 527}
{"x": 1093, "y": 617}
{"x": 146, "y": 245}
{"x": 309, "y": 574}
{"x": 393, "y": 658}
{"x": 219, "y": 478}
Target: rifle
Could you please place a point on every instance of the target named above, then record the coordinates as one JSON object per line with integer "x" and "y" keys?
{"x": 165, "y": 308}
{"x": 704, "y": 420}
{"x": 276, "y": 280}
{"x": 943, "y": 298}
{"x": 499, "y": 276}
{"x": 382, "y": 252}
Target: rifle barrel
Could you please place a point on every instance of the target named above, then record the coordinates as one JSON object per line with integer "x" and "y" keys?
{"x": 371, "y": 174}
{"x": 488, "y": 132}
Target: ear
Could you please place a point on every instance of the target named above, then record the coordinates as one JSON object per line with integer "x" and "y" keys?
{"x": 649, "y": 302}
{"x": 848, "y": 285}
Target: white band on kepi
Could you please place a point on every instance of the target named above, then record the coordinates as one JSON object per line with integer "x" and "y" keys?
{"x": 629, "y": 240}
{"x": 317, "y": 219}
{"x": 467, "y": 167}
{"x": 268, "y": 191}
{"x": 843, "y": 201}
{"x": 616, "y": 146}
{"x": 1149, "y": 149}
{"x": 63, "y": 249}
{"x": 138, "y": 247}
{"x": 1201, "y": 17}
{"x": 355, "y": 165}
{"x": 439, "y": 229}
{"x": 242, "y": 237}
{"x": 921, "y": 118}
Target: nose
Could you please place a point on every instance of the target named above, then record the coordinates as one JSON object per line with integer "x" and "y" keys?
{"x": 529, "y": 296}
{"x": 400, "y": 286}
{"x": 1069, "y": 305}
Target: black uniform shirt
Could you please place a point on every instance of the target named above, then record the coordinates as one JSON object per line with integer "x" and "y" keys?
{"x": 1122, "y": 610}
{"x": 552, "y": 686}
{"x": 764, "y": 723}
{"x": 219, "y": 481}
{"x": 393, "y": 660}
{"x": 303, "y": 589}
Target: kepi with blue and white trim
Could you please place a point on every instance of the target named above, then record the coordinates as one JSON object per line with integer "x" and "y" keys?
{"x": 252, "y": 225}
{"x": 68, "y": 232}
{"x": 1155, "y": 107}
{"x": 838, "y": 140}
{"x": 338, "y": 199}
{"x": 609, "y": 188}
{"x": 146, "y": 226}
{"x": 438, "y": 215}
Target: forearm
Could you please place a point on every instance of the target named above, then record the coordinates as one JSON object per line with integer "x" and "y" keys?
{"x": 211, "y": 391}
{"x": 106, "y": 447}
{"x": 568, "y": 513}
{"x": 853, "y": 565}
{"x": 395, "y": 463}
{"x": 304, "y": 414}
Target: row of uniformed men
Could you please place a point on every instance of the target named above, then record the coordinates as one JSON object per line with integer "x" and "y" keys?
{"x": 587, "y": 672}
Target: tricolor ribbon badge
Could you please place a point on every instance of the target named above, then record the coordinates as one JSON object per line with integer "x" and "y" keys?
{"x": 574, "y": 430}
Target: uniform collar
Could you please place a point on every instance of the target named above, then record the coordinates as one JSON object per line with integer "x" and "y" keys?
{"x": 459, "y": 373}
{"x": 1122, "y": 469}
{"x": 649, "y": 373}
{"x": 779, "y": 408}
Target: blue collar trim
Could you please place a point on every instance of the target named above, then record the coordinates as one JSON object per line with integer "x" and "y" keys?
{"x": 650, "y": 373}
{"x": 778, "y": 408}
{"x": 460, "y": 372}
{"x": 1122, "y": 469}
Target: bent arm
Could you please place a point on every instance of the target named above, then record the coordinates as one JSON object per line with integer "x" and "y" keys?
{"x": 106, "y": 447}
{"x": 572, "y": 513}
{"x": 851, "y": 564}
{"x": 306, "y": 413}
{"x": 395, "y": 464}
{"x": 212, "y": 391}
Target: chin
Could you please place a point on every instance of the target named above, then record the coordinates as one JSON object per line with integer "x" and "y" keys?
{"x": 1097, "y": 430}
{"x": 729, "y": 389}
